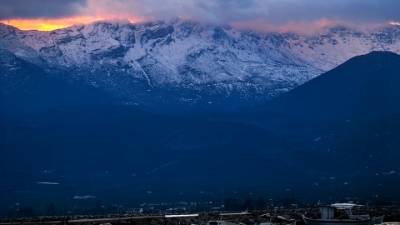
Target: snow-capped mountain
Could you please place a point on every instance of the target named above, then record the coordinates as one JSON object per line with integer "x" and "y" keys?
{"x": 191, "y": 61}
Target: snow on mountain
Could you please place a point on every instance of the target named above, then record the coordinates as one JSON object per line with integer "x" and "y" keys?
{"x": 199, "y": 58}
{"x": 338, "y": 44}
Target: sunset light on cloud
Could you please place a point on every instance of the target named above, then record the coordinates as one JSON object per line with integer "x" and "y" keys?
{"x": 43, "y": 24}
{"x": 48, "y": 24}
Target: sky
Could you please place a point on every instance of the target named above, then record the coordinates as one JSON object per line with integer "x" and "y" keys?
{"x": 254, "y": 14}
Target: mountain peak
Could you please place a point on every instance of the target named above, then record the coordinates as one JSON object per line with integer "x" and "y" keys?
{"x": 375, "y": 54}
{"x": 373, "y": 59}
{"x": 365, "y": 86}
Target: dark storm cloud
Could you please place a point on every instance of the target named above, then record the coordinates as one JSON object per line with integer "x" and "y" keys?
{"x": 351, "y": 10}
{"x": 282, "y": 11}
{"x": 10, "y": 9}
{"x": 222, "y": 11}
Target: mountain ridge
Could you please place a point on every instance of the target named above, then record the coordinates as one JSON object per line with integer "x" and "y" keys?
{"x": 366, "y": 80}
{"x": 191, "y": 61}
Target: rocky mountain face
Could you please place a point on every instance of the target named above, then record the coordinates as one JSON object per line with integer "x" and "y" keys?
{"x": 183, "y": 62}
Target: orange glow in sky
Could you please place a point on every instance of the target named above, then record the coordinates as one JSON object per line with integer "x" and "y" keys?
{"x": 54, "y": 24}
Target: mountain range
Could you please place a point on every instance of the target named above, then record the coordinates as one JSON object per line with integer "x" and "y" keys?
{"x": 182, "y": 62}
{"x": 81, "y": 118}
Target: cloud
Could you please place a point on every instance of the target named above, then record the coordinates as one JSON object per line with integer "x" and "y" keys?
{"x": 292, "y": 26}
{"x": 394, "y": 23}
{"x": 352, "y": 10}
{"x": 216, "y": 11}
{"x": 11, "y": 9}
{"x": 257, "y": 14}
{"x": 271, "y": 11}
